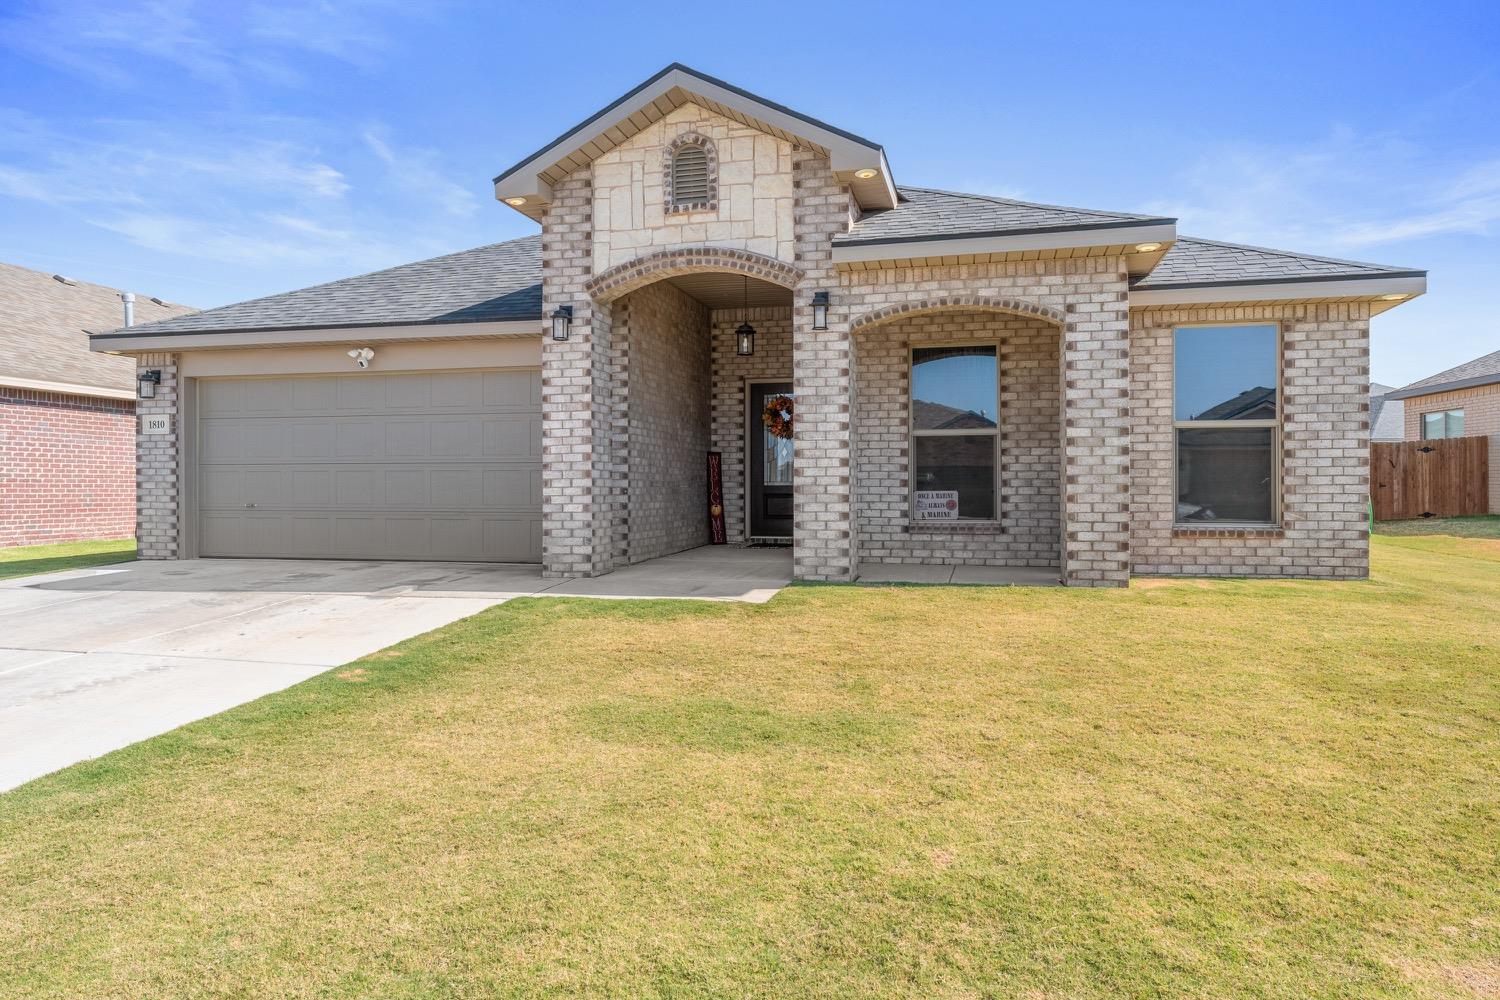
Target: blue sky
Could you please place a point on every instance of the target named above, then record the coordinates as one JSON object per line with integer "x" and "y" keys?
{"x": 211, "y": 152}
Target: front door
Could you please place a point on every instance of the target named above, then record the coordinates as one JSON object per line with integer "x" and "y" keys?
{"x": 769, "y": 432}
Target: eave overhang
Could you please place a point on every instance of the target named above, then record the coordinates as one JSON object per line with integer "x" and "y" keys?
{"x": 1092, "y": 240}
{"x": 126, "y": 342}
{"x": 1437, "y": 387}
{"x": 531, "y": 180}
{"x": 1377, "y": 289}
{"x": 64, "y": 388}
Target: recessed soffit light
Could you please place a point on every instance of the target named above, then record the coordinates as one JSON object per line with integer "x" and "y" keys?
{"x": 865, "y": 174}
{"x": 1147, "y": 247}
{"x": 515, "y": 201}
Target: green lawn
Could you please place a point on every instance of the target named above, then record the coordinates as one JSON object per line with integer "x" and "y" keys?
{"x": 1185, "y": 789}
{"x": 1481, "y": 526}
{"x": 26, "y": 560}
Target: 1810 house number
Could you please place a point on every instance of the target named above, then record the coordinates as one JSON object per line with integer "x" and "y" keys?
{"x": 156, "y": 423}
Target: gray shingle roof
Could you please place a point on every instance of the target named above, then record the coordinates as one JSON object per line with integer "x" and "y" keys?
{"x": 1193, "y": 262}
{"x": 502, "y": 281}
{"x": 929, "y": 214}
{"x": 1387, "y": 416}
{"x": 43, "y": 323}
{"x": 1480, "y": 371}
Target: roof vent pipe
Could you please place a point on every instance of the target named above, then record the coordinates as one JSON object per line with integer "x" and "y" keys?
{"x": 129, "y": 299}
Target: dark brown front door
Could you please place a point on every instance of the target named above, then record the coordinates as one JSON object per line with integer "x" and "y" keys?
{"x": 770, "y": 462}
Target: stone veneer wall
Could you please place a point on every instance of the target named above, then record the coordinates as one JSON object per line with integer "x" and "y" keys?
{"x": 1028, "y": 532}
{"x": 666, "y": 333}
{"x": 1325, "y": 449}
{"x": 772, "y": 361}
{"x": 753, "y": 210}
{"x": 156, "y": 466}
{"x": 1088, "y": 298}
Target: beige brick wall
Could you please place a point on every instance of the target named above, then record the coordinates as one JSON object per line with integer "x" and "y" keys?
{"x": 1481, "y": 406}
{"x": 1325, "y": 449}
{"x": 772, "y": 360}
{"x": 1028, "y": 531}
{"x": 156, "y": 466}
{"x": 668, "y": 404}
{"x": 755, "y": 198}
{"x": 1087, "y": 298}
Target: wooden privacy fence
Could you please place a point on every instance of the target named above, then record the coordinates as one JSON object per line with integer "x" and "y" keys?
{"x": 1445, "y": 478}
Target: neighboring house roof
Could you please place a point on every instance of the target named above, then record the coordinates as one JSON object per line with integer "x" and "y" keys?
{"x": 44, "y": 324}
{"x": 494, "y": 283}
{"x": 1258, "y": 403}
{"x": 1194, "y": 262}
{"x": 1387, "y": 416}
{"x": 1480, "y": 371}
{"x": 942, "y": 417}
{"x": 930, "y": 214}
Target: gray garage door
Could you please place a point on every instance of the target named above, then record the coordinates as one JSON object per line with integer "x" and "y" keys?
{"x": 368, "y": 466}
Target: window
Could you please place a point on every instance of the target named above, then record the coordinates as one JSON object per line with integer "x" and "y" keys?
{"x": 1226, "y": 414}
{"x": 955, "y": 439}
{"x": 1442, "y": 424}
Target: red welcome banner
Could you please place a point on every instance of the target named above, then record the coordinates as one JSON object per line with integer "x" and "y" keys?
{"x": 716, "y": 498}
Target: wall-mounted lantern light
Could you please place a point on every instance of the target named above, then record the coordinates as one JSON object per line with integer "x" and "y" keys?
{"x": 562, "y": 319}
{"x": 820, "y": 310}
{"x": 149, "y": 380}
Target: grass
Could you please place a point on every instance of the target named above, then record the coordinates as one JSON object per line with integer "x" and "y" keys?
{"x": 1480, "y": 526}
{"x": 1188, "y": 788}
{"x": 26, "y": 560}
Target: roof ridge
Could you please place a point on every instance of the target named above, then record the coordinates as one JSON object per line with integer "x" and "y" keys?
{"x": 1437, "y": 379}
{"x": 1293, "y": 253}
{"x": 999, "y": 200}
{"x": 328, "y": 284}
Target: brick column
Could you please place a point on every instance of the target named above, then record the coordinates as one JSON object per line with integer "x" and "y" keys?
{"x": 575, "y": 393}
{"x": 1096, "y": 436}
{"x": 822, "y": 381}
{"x": 156, "y": 463}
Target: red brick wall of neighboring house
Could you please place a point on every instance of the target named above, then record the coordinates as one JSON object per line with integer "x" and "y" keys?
{"x": 67, "y": 467}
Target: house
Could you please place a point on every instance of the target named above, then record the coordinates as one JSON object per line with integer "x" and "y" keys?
{"x": 67, "y": 415}
{"x": 1387, "y": 416}
{"x": 710, "y": 264}
{"x": 1460, "y": 402}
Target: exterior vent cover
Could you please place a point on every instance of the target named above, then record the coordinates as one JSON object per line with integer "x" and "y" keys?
{"x": 690, "y": 176}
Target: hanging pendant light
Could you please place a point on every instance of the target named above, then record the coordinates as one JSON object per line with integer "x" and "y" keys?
{"x": 744, "y": 335}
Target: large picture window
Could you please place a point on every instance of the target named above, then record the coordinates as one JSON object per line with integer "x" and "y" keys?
{"x": 955, "y": 433}
{"x": 1226, "y": 413}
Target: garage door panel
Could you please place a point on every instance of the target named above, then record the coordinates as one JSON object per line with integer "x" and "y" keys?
{"x": 440, "y": 466}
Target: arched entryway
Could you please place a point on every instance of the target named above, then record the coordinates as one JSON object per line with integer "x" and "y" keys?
{"x": 679, "y": 388}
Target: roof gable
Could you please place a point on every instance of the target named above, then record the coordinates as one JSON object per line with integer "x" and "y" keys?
{"x": 527, "y": 185}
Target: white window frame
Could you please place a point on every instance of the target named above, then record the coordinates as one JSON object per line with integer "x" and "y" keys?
{"x": 1447, "y": 415}
{"x": 1275, "y": 426}
{"x": 912, "y": 433}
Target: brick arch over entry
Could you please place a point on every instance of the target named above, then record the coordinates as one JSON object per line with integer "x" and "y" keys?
{"x": 627, "y": 277}
{"x": 952, "y": 303}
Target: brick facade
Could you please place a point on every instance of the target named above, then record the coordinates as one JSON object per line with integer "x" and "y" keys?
{"x": 1325, "y": 427}
{"x": 67, "y": 467}
{"x": 156, "y": 466}
{"x": 1480, "y": 403}
{"x": 1028, "y": 529}
{"x": 666, "y": 337}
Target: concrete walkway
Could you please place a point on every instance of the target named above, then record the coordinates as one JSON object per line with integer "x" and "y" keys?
{"x": 1003, "y": 576}
{"x": 94, "y": 660}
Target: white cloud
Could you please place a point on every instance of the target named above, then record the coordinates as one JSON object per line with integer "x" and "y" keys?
{"x": 1343, "y": 194}
{"x": 416, "y": 174}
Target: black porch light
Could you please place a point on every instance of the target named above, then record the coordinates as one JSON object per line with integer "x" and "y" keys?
{"x": 149, "y": 380}
{"x": 562, "y": 320}
{"x": 744, "y": 334}
{"x": 820, "y": 310}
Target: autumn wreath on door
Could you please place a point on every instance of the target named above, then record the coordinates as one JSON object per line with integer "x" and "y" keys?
{"x": 777, "y": 415}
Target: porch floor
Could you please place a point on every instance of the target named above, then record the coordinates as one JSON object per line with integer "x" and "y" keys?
{"x": 1012, "y": 576}
{"x": 710, "y": 572}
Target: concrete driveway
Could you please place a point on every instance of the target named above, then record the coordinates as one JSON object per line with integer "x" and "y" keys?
{"x": 94, "y": 660}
